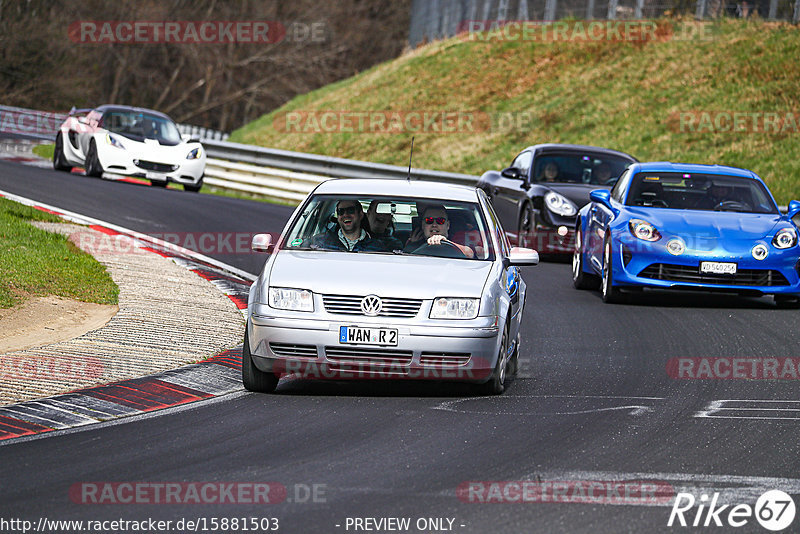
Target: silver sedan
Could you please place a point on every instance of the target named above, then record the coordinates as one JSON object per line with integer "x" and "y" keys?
{"x": 389, "y": 279}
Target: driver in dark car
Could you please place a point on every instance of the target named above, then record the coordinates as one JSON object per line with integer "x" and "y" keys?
{"x": 435, "y": 227}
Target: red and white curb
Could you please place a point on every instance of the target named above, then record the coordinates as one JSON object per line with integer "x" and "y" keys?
{"x": 218, "y": 375}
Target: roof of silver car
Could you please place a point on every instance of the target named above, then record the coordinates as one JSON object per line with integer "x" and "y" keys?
{"x": 398, "y": 188}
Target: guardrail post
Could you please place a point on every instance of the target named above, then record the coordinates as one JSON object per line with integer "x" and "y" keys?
{"x": 590, "y": 10}
{"x": 637, "y": 14}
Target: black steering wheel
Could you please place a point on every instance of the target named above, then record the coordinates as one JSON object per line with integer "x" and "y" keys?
{"x": 450, "y": 251}
{"x": 731, "y": 205}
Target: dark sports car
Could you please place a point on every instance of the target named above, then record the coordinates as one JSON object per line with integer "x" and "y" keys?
{"x": 540, "y": 193}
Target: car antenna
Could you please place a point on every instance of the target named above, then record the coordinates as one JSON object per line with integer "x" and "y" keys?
{"x": 411, "y": 155}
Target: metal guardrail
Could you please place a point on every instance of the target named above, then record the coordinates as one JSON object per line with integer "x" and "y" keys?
{"x": 290, "y": 176}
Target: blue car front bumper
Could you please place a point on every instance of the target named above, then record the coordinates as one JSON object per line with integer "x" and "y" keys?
{"x": 645, "y": 264}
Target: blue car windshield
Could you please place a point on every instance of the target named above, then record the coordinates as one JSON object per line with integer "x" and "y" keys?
{"x": 706, "y": 192}
{"x": 579, "y": 168}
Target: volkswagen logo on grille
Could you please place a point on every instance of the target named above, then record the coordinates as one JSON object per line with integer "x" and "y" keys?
{"x": 371, "y": 305}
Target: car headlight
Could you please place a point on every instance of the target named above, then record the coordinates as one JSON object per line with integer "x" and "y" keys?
{"x": 559, "y": 204}
{"x": 643, "y": 230}
{"x": 113, "y": 141}
{"x": 785, "y": 238}
{"x": 676, "y": 247}
{"x": 454, "y": 308}
{"x": 195, "y": 154}
{"x": 284, "y": 298}
{"x": 760, "y": 251}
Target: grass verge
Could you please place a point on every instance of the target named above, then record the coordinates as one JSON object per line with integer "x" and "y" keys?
{"x": 622, "y": 94}
{"x": 35, "y": 262}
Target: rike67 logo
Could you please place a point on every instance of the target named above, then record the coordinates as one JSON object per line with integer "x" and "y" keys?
{"x": 774, "y": 510}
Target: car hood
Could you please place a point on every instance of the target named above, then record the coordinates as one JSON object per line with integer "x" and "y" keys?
{"x": 726, "y": 226}
{"x": 386, "y": 275}
{"x": 152, "y": 149}
{"x": 577, "y": 193}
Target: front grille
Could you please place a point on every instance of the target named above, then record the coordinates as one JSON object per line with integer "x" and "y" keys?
{"x": 692, "y": 274}
{"x": 289, "y": 350}
{"x": 369, "y": 356}
{"x": 154, "y": 166}
{"x": 351, "y": 305}
{"x": 443, "y": 359}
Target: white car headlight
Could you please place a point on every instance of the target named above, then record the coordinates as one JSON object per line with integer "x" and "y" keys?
{"x": 643, "y": 230}
{"x": 455, "y": 308}
{"x": 283, "y": 298}
{"x": 785, "y": 238}
{"x": 559, "y": 204}
{"x": 113, "y": 141}
{"x": 195, "y": 154}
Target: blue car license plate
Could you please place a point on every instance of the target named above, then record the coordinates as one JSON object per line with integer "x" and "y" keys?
{"x": 367, "y": 336}
{"x": 717, "y": 267}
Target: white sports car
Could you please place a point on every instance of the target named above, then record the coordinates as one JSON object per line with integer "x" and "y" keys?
{"x": 131, "y": 142}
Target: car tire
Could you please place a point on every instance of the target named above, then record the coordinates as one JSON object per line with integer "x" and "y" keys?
{"x": 93, "y": 166}
{"x": 497, "y": 382}
{"x": 194, "y": 188}
{"x": 59, "y": 162}
{"x": 513, "y": 361}
{"x": 524, "y": 232}
{"x": 787, "y": 301}
{"x": 253, "y": 378}
{"x": 610, "y": 293}
{"x": 580, "y": 278}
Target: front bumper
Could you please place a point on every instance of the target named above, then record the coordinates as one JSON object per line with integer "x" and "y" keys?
{"x": 119, "y": 161}
{"x": 310, "y": 347}
{"x": 643, "y": 264}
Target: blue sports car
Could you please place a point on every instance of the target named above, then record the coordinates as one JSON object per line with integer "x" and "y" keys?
{"x": 679, "y": 226}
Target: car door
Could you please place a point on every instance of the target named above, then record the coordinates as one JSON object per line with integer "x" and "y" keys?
{"x": 598, "y": 219}
{"x": 510, "y": 277}
{"x": 508, "y": 193}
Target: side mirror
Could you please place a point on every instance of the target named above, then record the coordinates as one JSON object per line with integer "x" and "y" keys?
{"x": 522, "y": 256}
{"x": 261, "y": 243}
{"x": 794, "y": 209}
{"x": 82, "y": 120}
{"x": 512, "y": 172}
{"x": 603, "y": 196}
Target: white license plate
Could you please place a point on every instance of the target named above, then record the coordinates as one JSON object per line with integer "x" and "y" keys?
{"x": 717, "y": 267}
{"x": 155, "y": 176}
{"x": 367, "y": 336}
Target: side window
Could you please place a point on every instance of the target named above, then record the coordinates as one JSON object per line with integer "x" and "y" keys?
{"x": 523, "y": 162}
{"x": 497, "y": 230}
{"x": 621, "y": 186}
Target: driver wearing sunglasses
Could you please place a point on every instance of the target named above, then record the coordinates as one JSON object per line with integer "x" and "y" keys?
{"x": 435, "y": 227}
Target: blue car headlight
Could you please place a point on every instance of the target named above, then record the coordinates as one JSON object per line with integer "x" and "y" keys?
{"x": 785, "y": 238}
{"x": 195, "y": 153}
{"x": 113, "y": 141}
{"x": 760, "y": 252}
{"x": 676, "y": 246}
{"x": 455, "y": 308}
{"x": 643, "y": 230}
{"x": 559, "y": 204}
{"x": 283, "y": 298}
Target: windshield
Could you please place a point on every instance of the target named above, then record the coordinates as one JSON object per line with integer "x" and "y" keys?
{"x": 708, "y": 192}
{"x": 139, "y": 126}
{"x": 384, "y": 225}
{"x": 596, "y": 169}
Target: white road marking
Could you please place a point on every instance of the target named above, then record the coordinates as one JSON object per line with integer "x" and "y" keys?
{"x": 783, "y": 410}
{"x": 628, "y": 404}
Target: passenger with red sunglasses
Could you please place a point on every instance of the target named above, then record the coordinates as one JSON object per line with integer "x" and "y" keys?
{"x": 434, "y": 230}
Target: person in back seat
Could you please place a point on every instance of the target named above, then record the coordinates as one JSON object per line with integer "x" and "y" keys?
{"x": 380, "y": 225}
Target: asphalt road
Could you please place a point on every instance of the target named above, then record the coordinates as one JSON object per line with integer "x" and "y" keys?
{"x": 594, "y": 402}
